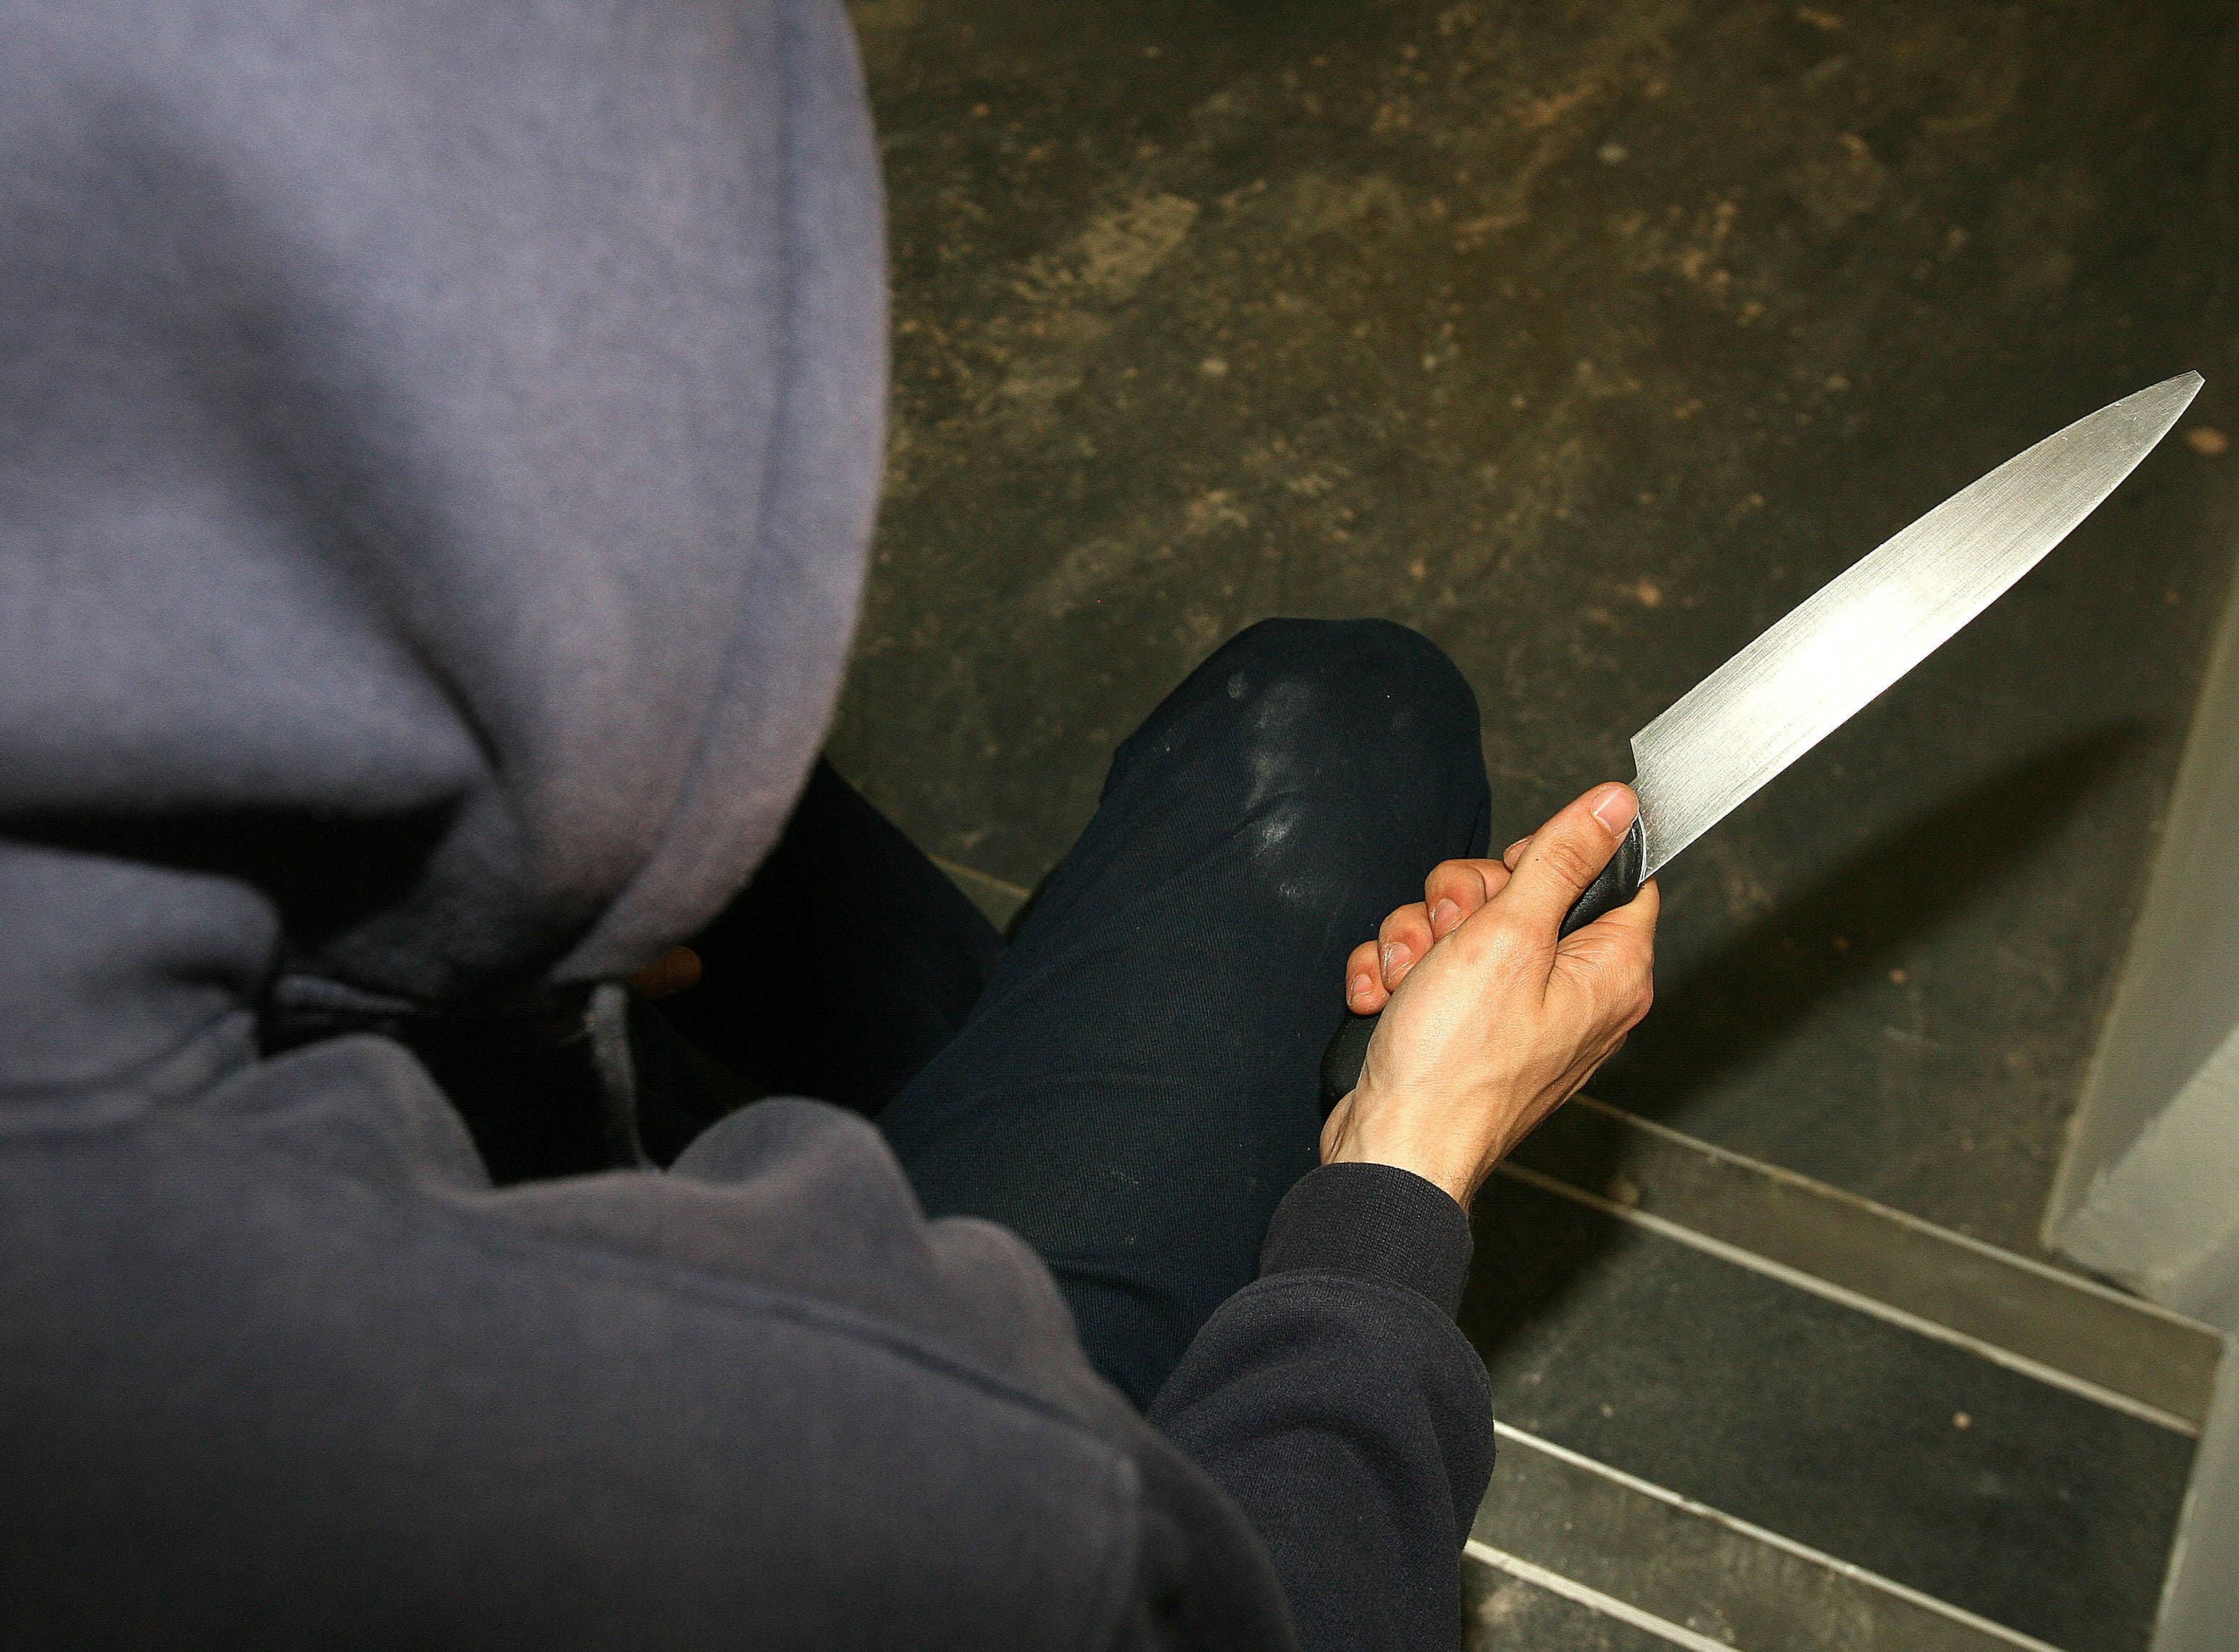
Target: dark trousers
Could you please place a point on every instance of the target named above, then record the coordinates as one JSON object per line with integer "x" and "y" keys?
{"x": 1130, "y": 1082}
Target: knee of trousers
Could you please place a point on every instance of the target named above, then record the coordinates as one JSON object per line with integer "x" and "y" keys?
{"x": 1367, "y": 704}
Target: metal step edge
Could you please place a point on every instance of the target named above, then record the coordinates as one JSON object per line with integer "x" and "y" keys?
{"x": 1696, "y": 1576}
{"x": 2051, "y": 1325}
{"x": 998, "y": 898}
{"x": 1484, "y": 1553}
{"x": 2051, "y": 1272}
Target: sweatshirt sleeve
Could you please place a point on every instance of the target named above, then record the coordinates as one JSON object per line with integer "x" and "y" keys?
{"x": 1337, "y": 1402}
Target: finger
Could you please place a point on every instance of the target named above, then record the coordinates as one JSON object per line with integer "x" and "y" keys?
{"x": 1635, "y": 921}
{"x": 1364, "y": 988}
{"x": 1614, "y": 956}
{"x": 1514, "y": 853}
{"x": 1457, "y": 888}
{"x": 1566, "y": 854}
{"x": 1402, "y": 941}
{"x": 1638, "y": 914}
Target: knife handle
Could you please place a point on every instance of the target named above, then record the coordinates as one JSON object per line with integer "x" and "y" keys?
{"x": 1617, "y": 884}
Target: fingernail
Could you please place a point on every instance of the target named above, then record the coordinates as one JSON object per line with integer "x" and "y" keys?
{"x": 1392, "y": 956}
{"x": 1362, "y": 985}
{"x": 1614, "y": 806}
{"x": 1443, "y": 916}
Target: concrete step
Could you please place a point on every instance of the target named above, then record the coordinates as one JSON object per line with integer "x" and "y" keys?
{"x": 1509, "y": 1602}
{"x": 1748, "y": 1407}
{"x": 2055, "y": 1325}
{"x": 1636, "y": 1565}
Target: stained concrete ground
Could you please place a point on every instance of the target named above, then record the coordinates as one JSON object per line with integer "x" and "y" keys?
{"x": 1588, "y": 339}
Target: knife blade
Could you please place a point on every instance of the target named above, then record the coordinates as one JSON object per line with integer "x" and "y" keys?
{"x": 1725, "y": 738}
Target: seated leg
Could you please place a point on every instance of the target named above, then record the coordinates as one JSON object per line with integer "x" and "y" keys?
{"x": 1137, "y": 1089}
{"x": 844, "y": 966}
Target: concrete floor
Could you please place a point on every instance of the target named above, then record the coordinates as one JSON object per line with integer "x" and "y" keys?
{"x": 1588, "y": 339}
{"x": 2040, "y": 1509}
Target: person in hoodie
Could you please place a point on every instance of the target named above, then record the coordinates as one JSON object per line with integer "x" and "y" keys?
{"x": 438, "y": 447}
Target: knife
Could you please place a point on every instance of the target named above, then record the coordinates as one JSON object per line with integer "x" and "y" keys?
{"x": 1843, "y": 645}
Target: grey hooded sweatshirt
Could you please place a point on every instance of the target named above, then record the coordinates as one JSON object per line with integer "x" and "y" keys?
{"x": 437, "y": 446}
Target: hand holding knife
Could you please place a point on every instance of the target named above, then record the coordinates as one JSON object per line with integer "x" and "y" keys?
{"x": 1839, "y": 649}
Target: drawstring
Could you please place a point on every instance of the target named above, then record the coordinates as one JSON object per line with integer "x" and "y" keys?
{"x": 608, "y": 1020}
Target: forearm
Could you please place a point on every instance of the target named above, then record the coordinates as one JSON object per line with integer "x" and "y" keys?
{"x": 1335, "y": 1401}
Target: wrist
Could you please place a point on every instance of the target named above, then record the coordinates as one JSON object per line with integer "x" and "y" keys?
{"x": 1363, "y": 1131}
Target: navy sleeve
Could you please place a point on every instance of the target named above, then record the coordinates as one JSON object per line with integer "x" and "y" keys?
{"x": 1337, "y": 1402}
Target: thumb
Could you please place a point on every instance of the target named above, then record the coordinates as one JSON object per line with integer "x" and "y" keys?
{"x": 1566, "y": 854}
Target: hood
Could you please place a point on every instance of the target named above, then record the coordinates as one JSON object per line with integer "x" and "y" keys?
{"x": 438, "y": 447}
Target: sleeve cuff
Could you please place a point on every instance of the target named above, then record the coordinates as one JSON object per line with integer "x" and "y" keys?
{"x": 1375, "y": 1222}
